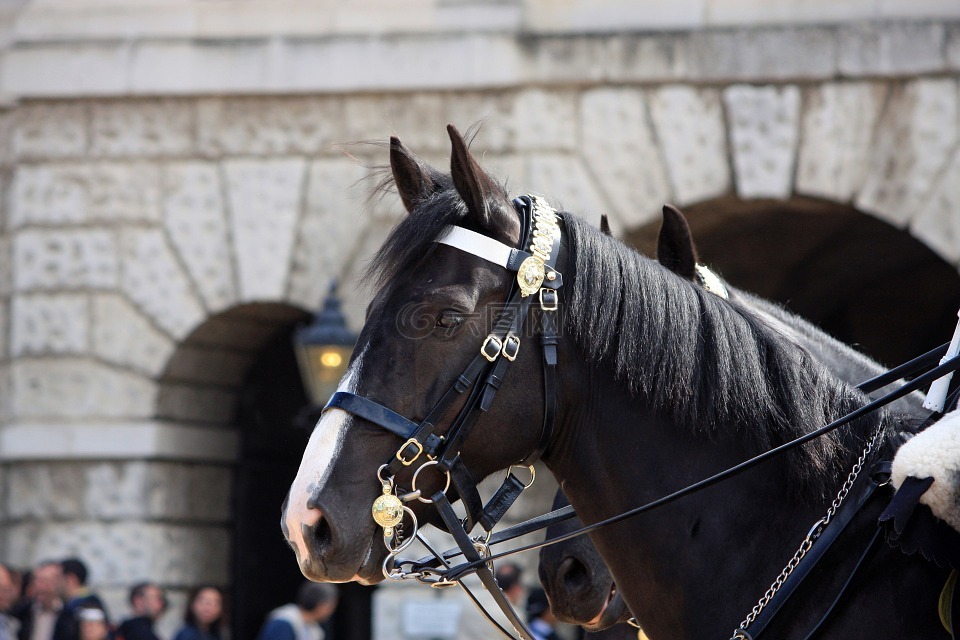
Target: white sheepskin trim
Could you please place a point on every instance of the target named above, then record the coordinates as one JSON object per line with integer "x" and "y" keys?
{"x": 936, "y": 453}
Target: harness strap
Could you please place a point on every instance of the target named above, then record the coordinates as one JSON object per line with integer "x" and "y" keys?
{"x": 483, "y": 571}
{"x": 871, "y": 546}
{"x": 828, "y": 536}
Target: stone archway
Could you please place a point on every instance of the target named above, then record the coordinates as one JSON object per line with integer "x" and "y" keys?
{"x": 860, "y": 279}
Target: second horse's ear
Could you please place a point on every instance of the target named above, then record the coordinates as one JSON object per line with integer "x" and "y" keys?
{"x": 486, "y": 200}
{"x": 605, "y": 225}
{"x": 411, "y": 175}
{"x": 675, "y": 248}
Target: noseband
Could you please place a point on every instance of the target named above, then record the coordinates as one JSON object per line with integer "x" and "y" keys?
{"x": 537, "y": 281}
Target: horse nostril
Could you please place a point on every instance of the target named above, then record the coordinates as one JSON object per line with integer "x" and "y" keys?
{"x": 321, "y": 535}
{"x": 572, "y": 574}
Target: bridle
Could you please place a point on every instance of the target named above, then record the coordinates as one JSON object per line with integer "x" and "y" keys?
{"x": 538, "y": 281}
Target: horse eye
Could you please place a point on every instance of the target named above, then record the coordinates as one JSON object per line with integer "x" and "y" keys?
{"x": 450, "y": 319}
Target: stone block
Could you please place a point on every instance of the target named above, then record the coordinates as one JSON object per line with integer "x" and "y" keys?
{"x": 122, "y": 553}
{"x": 196, "y": 222}
{"x": 953, "y": 47}
{"x": 332, "y": 225}
{"x": 51, "y": 324}
{"x": 915, "y": 139}
{"x": 155, "y": 281}
{"x": 116, "y": 491}
{"x": 74, "y": 388}
{"x": 764, "y": 124}
{"x": 938, "y": 222}
{"x": 837, "y": 131}
{"x": 48, "y": 259}
{"x": 892, "y": 48}
{"x": 60, "y": 194}
{"x": 620, "y": 153}
{"x": 122, "y": 335}
{"x": 269, "y": 126}
{"x": 567, "y": 183}
{"x": 146, "y": 128}
{"x": 53, "y": 131}
{"x": 194, "y": 403}
{"x": 766, "y": 54}
{"x": 189, "y": 493}
{"x": 418, "y": 119}
{"x": 689, "y": 124}
{"x": 492, "y": 110}
{"x": 265, "y": 199}
{"x": 544, "y": 120}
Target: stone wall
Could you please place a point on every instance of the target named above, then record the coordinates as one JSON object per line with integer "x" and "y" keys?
{"x": 169, "y": 201}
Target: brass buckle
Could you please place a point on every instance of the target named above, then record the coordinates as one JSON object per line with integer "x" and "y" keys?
{"x": 511, "y": 347}
{"x": 497, "y": 345}
{"x": 414, "y": 442}
{"x": 551, "y": 304}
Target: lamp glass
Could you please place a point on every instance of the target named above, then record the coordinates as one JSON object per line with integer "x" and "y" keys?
{"x": 325, "y": 366}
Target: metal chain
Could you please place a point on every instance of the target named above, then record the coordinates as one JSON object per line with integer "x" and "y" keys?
{"x": 810, "y": 539}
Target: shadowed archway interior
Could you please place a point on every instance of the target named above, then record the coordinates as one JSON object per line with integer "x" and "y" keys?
{"x": 860, "y": 279}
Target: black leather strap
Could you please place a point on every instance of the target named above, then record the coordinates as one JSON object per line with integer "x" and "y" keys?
{"x": 502, "y": 500}
{"x": 483, "y": 571}
{"x": 375, "y": 413}
{"x": 905, "y": 370}
{"x": 841, "y": 519}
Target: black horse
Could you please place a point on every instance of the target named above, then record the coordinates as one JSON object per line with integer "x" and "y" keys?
{"x": 660, "y": 384}
{"x": 578, "y": 583}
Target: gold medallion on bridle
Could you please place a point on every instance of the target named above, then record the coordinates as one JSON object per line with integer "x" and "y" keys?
{"x": 530, "y": 275}
{"x": 387, "y": 510}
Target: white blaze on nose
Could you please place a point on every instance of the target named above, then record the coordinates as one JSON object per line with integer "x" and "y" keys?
{"x": 318, "y": 460}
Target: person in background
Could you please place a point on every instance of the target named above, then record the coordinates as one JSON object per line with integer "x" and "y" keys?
{"x": 540, "y": 617}
{"x": 39, "y": 611}
{"x": 92, "y": 623}
{"x": 9, "y": 595}
{"x": 204, "y": 615}
{"x": 301, "y": 620}
{"x": 148, "y": 602}
{"x": 508, "y": 577}
{"x": 75, "y": 594}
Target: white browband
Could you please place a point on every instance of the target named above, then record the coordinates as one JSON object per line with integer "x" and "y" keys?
{"x": 478, "y": 244}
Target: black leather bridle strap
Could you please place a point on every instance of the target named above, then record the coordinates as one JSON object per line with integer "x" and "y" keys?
{"x": 483, "y": 570}
{"x": 906, "y": 369}
{"x": 871, "y": 546}
{"x": 841, "y": 519}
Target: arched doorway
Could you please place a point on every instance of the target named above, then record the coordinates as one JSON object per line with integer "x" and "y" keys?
{"x": 272, "y": 440}
{"x": 863, "y": 281}
{"x": 237, "y": 373}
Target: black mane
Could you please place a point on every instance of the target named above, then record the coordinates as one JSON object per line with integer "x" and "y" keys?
{"x": 702, "y": 361}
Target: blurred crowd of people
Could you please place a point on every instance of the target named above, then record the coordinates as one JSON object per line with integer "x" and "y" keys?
{"x": 52, "y": 601}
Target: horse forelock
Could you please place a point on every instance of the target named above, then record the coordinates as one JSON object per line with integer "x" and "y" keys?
{"x": 704, "y": 362}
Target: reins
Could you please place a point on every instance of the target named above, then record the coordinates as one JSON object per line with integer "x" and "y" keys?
{"x": 537, "y": 281}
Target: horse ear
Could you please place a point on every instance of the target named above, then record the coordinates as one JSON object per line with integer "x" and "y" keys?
{"x": 410, "y": 174}
{"x": 477, "y": 189}
{"x": 605, "y": 225}
{"x": 675, "y": 248}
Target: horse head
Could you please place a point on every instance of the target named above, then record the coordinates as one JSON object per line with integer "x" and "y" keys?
{"x": 434, "y": 305}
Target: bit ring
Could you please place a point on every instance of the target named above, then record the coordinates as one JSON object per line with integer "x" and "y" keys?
{"x": 413, "y": 482}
